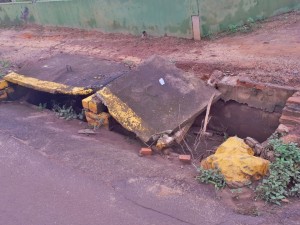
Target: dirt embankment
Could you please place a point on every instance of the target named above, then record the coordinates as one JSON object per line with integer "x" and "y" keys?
{"x": 270, "y": 53}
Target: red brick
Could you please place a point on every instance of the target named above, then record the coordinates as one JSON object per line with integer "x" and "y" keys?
{"x": 293, "y": 113}
{"x": 289, "y": 120}
{"x": 146, "y": 151}
{"x": 295, "y": 100}
{"x": 185, "y": 158}
{"x": 249, "y": 84}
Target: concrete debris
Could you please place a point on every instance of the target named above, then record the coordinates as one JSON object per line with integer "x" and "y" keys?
{"x": 164, "y": 142}
{"x": 283, "y": 129}
{"x": 215, "y": 78}
{"x": 167, "y": 140}
{"x": 150, "y": 108}
{"x": 237, "y": 162}
{"x": 5, "y": 90}
{"x": 255, "y": 145}
{"x": 251, "y": 142}
{"x": 87, "y": 132}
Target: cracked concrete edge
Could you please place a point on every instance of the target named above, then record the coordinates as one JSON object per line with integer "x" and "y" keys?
{"x": 262, "y": 96}
{"x": 45, "y": 86}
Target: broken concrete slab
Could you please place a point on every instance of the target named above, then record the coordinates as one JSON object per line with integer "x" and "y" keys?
{"x": 67, "y": 74}
{"x": 156, "y": 98}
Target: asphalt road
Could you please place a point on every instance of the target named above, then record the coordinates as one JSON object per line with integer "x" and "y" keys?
{"x": 49, "y": 175}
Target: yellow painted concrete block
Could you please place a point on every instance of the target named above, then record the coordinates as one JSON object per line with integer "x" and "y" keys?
{"x": 93, "y": 104}
{"x": 96, "y": 105}
{"x": 46, "y": 86}
{"x": 237, "y": 162}
{"x": 126, "y": 116}
{"x": 85, "y": 102}
{"x": 3, "y": 84}
{"x": 97, "y": 120}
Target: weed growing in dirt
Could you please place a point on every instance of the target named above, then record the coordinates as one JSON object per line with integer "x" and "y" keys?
{"x": 247, "y": 27}
{"x": 212, "y": 176}
{"x": 66, "y": 113}
{"x": 42, "y": 106}
{"x": 284, "y": 178}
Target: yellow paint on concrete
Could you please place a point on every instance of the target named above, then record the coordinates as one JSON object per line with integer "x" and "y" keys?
{"x": 124, "y": 114}
{"x": 46, "y": 86}
{"x": 97, "y": 120}
{"x": 3, "y": 84}
{"x": 85, "y": 102}
{"x": 237, "y": 162}
{"x": 93, "y": 104}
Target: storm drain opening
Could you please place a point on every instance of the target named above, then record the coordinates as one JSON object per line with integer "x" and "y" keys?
{"x": 248, "y": 110}
{"x": 65, "y": 106}
{"x": 157, "y": 103}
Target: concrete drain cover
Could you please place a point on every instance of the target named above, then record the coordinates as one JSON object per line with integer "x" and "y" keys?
{"x": 156, "y": 98}
{"x": 67, "y": 74}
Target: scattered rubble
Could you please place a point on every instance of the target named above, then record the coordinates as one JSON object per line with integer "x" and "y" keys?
{"x": 87, "y": 132}
{"x": 255, "y": 145}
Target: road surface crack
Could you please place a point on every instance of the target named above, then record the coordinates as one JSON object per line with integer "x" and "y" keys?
{"x": 154, "y": 210}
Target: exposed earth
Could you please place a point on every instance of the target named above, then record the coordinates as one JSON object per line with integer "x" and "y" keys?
{"x": 50, "y": 174}
{"x": 270, "y": 53}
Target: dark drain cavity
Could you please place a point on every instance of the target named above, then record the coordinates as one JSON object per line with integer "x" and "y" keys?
{"x": 53, "y": 101}
{"x": 232, "y": 118}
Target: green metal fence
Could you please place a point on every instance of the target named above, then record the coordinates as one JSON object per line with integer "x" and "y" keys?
{"x": 157, "y": 17}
